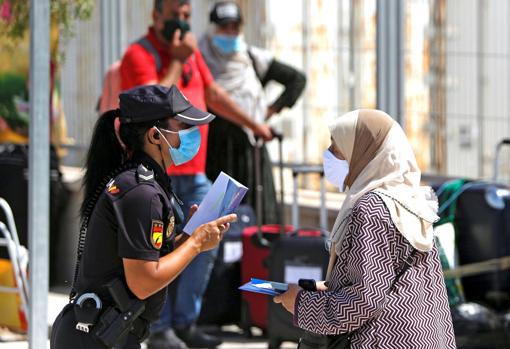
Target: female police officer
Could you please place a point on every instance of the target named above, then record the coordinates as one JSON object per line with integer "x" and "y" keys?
{"x": 131, "y": 252}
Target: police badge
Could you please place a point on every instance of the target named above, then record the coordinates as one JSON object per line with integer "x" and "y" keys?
{"x": 170, "y": 227}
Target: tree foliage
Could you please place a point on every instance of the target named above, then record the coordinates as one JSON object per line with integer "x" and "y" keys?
{"x": 15, "y": 16}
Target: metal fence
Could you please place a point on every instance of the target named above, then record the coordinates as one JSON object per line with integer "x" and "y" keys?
{"x": 455, "y": 53}
{"x": 463, "y": 85}
{"x": 98, "y": 42}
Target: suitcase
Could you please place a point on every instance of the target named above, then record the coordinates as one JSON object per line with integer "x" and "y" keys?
{"x": 14, "y": 189}
{"x": 301, "y": 254}
{"x": 221, "y": 303}
{"x": 256, "y": 242}
{"x": 483, "y": 233}
{"x": 482, "y": 225}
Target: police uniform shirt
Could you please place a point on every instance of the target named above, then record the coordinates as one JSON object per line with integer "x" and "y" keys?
{"x": 132, "y": 219}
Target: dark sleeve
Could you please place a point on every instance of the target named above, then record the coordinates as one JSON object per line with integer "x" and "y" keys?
{"x": 292, "y": 79}
{"x": 370, "y": 272}
{"x": 139, "y": 214}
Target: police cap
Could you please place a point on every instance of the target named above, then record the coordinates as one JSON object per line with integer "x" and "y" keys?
{"x": 154, "y": 102}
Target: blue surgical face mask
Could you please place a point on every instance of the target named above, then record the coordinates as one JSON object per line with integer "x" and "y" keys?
{"x": 335, "y": 170}
{"x": 190, "y": 144}
{"x": 228, "y": 44}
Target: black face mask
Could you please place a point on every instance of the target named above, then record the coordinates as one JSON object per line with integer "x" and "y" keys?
{"x": 171, "y": 25}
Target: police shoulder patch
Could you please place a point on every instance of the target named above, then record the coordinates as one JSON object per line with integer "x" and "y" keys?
{"x": 111, "y": 187}
{"x": 157, "y": 234}
{"x": 143, "y": 174}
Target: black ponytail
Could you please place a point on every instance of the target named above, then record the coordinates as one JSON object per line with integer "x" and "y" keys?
{"x": 104, "y": 156}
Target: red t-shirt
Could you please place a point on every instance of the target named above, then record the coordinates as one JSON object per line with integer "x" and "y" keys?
{"x": 138, "y": 67}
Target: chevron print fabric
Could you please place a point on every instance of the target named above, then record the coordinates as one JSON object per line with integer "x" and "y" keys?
{"x": 415, "y": 314}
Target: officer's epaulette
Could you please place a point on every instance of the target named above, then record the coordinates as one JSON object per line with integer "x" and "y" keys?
{"x": 143, "y": 174}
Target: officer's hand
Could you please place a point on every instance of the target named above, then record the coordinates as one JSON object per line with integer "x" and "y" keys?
{"x": 263, "y": 131}
{"x": 182, "y": 49}
{"x": 208, "y": 236}
{"x": 192, "y": 211}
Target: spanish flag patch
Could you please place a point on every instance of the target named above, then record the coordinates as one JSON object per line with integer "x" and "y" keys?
{"x": 157, "y": 234}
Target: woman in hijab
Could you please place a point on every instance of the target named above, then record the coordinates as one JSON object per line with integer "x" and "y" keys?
{"x": 385, "y": 287}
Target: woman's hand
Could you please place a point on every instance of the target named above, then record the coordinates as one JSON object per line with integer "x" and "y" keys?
{"x": 208, "y": 236}
{"x": 322, "y": 285}
{"x": 288, "y": 299}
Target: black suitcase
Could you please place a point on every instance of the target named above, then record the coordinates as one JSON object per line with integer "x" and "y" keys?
{"x": 482, "y": 220}
{"x": 483, "y": 233}
{"x": 301, "y": 254}
{"x": 14, "y": 189}
{"x": 221, "y": 303}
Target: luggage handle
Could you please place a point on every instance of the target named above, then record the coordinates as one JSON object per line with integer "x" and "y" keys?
{"x": 262, "y": 241}
{"x": 279, "y": 136}
{"x": 296, "y": 233}
{"x": 504, "y": 141}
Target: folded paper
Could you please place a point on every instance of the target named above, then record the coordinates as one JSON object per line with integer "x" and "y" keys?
{"x": 222, "y": 199}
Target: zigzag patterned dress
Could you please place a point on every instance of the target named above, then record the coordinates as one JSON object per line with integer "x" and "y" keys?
{"x": 415, "y": 314}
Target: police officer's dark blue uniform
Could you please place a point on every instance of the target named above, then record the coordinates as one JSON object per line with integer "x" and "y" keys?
{"x": 130, "y": 220}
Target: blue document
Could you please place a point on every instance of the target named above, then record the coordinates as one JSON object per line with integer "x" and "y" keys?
{"x": 265, "y": 287}
{"x": 222, "y": 199}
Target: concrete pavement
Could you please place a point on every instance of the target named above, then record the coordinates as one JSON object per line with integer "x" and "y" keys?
{"x": 233, "y": 339}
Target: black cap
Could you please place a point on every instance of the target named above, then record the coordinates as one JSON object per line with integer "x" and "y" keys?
{"x": 154, "y": 102}
{"x": 225, "y": 12}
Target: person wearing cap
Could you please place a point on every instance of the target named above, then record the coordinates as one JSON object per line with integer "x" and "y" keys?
{"x": 129, "y": 218}
{"x": 173, "y": 57}
{"x": 243, "y": 71}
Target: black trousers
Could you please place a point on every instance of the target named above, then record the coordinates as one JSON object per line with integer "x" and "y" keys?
{"x": 64, "y": 335}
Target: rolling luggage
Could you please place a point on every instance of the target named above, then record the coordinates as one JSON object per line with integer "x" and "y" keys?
{"x": 483, "y": 233}
{"x": 14, "y": 189}
{"x": 482, "y": 221}
{"x": 256, "y": 242}
{"x": 300, "y": 254}
{"x": 481, "y": 216}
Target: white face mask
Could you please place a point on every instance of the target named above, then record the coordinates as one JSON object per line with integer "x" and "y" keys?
{"x": 335, "y": 169}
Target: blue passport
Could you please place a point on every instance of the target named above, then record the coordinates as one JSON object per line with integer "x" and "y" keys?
{"x": 265, "y": 287}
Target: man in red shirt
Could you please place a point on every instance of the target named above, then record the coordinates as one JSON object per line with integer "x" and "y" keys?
{"x": 168, "y": 55}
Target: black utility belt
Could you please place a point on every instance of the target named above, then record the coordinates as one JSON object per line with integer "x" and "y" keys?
{"x": 111, "y": 323}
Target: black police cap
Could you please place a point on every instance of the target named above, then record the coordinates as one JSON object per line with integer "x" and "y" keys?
{"x": 225, "y": 12}
{"x": 154, "y": 102}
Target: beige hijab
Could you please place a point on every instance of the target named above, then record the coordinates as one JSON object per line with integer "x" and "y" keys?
{"x": 381, "y": 160}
